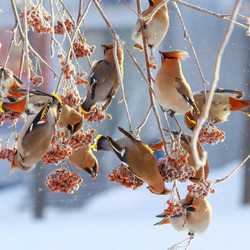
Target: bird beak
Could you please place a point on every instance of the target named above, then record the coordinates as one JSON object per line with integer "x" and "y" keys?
{"x": 92, "y": 171}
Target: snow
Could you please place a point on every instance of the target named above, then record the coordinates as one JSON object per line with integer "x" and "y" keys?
{"x": 122, "y": 219}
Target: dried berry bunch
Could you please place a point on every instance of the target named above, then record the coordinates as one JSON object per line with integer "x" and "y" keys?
{"x": 58, "y": 151}
{"x": 58, "y": 29}
{"x": 63, "y": 181}
{"x": 79, "y": 79}
{"x": 7, "y": 152}
{"x": 173, "y": 209}
{"x": 36, "y": 80}
{"x": 96, "y": 114}
{"x": 71, "y": 97}
{"x": 81, "y": 139}
{"x": 38, "y": 18}
{"x": 175, "y": 166}
{"x": 81, "y": 48}
{"x": 123, "y": 176}
{"x": 210, "y": 134}
{"x": 201, "y": 190}
{"x": 9, "y": 116}
{"x": 68, "y": 70}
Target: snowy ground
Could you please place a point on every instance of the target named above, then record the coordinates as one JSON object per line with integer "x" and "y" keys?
{"x": 123, "y": 219}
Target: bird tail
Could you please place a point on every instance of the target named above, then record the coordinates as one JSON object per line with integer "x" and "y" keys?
{"x": 165, "y": 219}
{"x": 157, "y": 146}
{"x": 240, "y": 105}
{"x": 138, "y": 46}
{"x": 179, "y": 54}
{"x": 101, "y": 143}
{"x": 85, "y": 107}
{"x": 18, "y": 106}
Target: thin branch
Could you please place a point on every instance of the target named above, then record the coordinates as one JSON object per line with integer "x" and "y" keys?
{"x": 231, "y": 173}
{"x": 177, "y": 245}
{"x": 221, "y": 16}
{"x": 186, "y": 35}
{"x": 149, "y": 77}
{"x": 115, "y": 40}
{"x": 204, "y": 116}
{"x": 138, "y": 128}
{"x": 121, "y": 83}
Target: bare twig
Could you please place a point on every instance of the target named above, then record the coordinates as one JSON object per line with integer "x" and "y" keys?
{"x": 138, "y": 128}
{"x": 221, "y": 16}
{"x": 186, "y": 35}
{"x": 149, "y": 78}
{"x": 121, "y": 84}
{"x": 231, "y": 173}
{"x": 115, "y": 40}
{"x": 204, "y": 116}
{"x": 177, "y": 245}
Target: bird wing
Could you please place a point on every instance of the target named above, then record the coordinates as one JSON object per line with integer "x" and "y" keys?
{"x": 98, "y": 75}
{"x": 182, "y": 88}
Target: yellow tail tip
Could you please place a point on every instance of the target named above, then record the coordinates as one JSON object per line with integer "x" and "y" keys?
{"x": 1, "y": 107}
{"x": 57, "y": 97}
{"x": 94, "y": 146}
{"x": 138, "y": 46}
{"x": 84, "y": 111}
{"x": 151, "y": 150}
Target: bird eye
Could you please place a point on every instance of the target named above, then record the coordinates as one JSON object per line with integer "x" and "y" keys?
{"x": 190, "y": 209}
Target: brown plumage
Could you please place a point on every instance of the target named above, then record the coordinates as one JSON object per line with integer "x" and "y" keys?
{"x": 171, "y": 88}
{"x": 221, "y": 107}
{"x": 36, "y": 135}
{"x": 155, "y": 29}
{"x": 84, "y": 159}
{"x": 185, "y": 140}
{"x": 137, "y": 157}
{"x": 103, "y": 79}
{"x": 196, "y": 218}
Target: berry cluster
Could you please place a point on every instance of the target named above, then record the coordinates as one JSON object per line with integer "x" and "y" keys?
{"x": 38, "y": 18}
{"x": 58, "y": 29}
{"x": 36, "y": 80}
{"x": 7, "y": 153}
{"x": 59, "y": 150}
{"x": 82, "y": 49}
{"x": 201, "y": 189}
{"x": 71, "y": 97}
{"x": 68, "y": 70}
{"x": 173, "y": 209}
{"x": 175, "y": 166}
{"x": 247, "y": 21}
{"x": 79, "y": 79}
{"x": 96, "y": 114}
{"x": 63, "y": 181}
{"x": 210, "y": 134}
{"x": 9, "y": 116}
{"x": 125, "y": 178}
{"x": 80, "y": 139}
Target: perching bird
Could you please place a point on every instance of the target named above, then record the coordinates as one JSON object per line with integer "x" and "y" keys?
{"x": 221, "y": 107}
{"x": 36, "y": 135}
{"x": 70, "y": 119}
{"x": 84, "y": 159}
{"x": 137, "y": 157}
{"x": 37, "y": 101}
{"x": 185, "y": 140}
{"x": 171, "y": 89}
{"x": 196, "y": 218}
{"x": 8, "y": 83}
{"x": 103, "y": 79}
{"x": 155, "y": 29}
